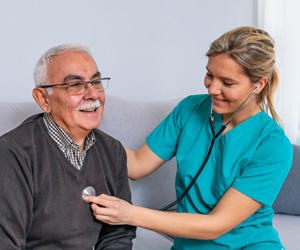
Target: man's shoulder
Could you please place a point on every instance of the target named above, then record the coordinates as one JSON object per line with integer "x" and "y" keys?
{"x": 25, "y": 130}
{"x": 105, "y": 138}
{"x": 107, "y": 146}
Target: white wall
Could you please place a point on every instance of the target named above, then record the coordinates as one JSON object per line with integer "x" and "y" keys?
{"x": 152, "y": 49}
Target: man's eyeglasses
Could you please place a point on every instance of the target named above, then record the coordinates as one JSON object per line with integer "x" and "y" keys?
{"x": 79, "y": 87}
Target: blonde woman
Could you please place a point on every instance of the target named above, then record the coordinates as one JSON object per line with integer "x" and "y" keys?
{"x": 229, "y": 206}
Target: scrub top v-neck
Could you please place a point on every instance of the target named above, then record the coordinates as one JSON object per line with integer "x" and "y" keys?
{"x": 253, "y": 157}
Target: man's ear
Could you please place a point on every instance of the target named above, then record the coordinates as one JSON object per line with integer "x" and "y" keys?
{"x": 41, "y": 96}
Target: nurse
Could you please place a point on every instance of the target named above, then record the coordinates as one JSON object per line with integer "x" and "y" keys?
{"x": 229, "y": 206}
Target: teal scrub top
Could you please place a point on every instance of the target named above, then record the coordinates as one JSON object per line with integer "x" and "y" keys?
{"x": 253, "y": 157}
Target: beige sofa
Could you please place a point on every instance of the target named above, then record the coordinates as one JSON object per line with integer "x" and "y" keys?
{"x": 130, "y": 122}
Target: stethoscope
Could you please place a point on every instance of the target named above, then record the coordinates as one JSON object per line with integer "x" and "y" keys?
{"x": 215, "y": 136}
{"x": 90, "y": 191}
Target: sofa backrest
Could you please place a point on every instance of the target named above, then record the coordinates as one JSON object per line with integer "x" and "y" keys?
{"x": 129, "y": 122}
{"x": 288, "y": 199}
{"x": 12, "y": 114}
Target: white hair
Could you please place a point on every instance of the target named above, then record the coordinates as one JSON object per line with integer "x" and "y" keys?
{"x": 40, "y": 73}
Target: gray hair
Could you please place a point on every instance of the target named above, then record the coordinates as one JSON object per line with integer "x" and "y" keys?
{"x": 40, "y": 73}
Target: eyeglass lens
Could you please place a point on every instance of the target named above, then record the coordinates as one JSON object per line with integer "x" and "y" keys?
{"x": 77, "y": 88}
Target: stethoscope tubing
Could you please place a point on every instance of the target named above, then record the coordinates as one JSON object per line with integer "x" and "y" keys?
{"x": 199, "y": 171}
{"x": 209, "y": 151}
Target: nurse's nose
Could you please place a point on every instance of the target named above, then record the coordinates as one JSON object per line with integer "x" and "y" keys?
{"x": 214, "y": 87}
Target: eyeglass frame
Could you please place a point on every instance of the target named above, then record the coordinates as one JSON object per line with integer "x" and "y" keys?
{"x": 68, "y": 83}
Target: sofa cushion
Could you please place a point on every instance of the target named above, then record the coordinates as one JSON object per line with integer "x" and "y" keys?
{"x": 149, "y": 240}
{"x": 288, "y": 229}
{"x": 288, "y": 199}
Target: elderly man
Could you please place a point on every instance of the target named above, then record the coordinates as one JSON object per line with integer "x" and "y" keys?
{"x": 49, "y": 159}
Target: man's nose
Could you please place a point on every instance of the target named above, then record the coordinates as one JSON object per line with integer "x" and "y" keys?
{"x": 91, "y": 91}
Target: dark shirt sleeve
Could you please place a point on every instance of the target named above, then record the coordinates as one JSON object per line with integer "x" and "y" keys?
{"x": 16, "y": 196}
{"x": 118, "y": 237}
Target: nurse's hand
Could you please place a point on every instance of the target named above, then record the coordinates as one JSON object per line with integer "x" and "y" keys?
{"x": 111, "y": 210}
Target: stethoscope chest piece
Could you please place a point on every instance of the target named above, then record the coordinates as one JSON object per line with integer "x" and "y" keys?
{"x": 88, "y": 191}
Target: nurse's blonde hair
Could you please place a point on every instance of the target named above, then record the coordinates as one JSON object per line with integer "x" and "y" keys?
{"x": 253, "y": 50}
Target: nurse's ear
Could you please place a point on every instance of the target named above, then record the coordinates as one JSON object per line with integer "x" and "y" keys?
{"x": 261, "y": 84}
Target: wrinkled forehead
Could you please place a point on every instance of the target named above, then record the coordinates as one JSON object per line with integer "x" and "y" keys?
{"x": 71, "y": 63}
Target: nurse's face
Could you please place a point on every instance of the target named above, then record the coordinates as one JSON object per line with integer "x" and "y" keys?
{"x": 229, "y": 87}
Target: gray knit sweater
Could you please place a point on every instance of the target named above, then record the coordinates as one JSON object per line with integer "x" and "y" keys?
{"x": 40, "y": 192}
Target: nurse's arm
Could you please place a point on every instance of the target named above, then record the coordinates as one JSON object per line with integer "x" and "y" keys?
{"x": 233, "y": 208}
{"x": 142, "y": 162}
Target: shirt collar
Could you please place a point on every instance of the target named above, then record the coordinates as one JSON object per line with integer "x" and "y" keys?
{"x": 63, "y": 140}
